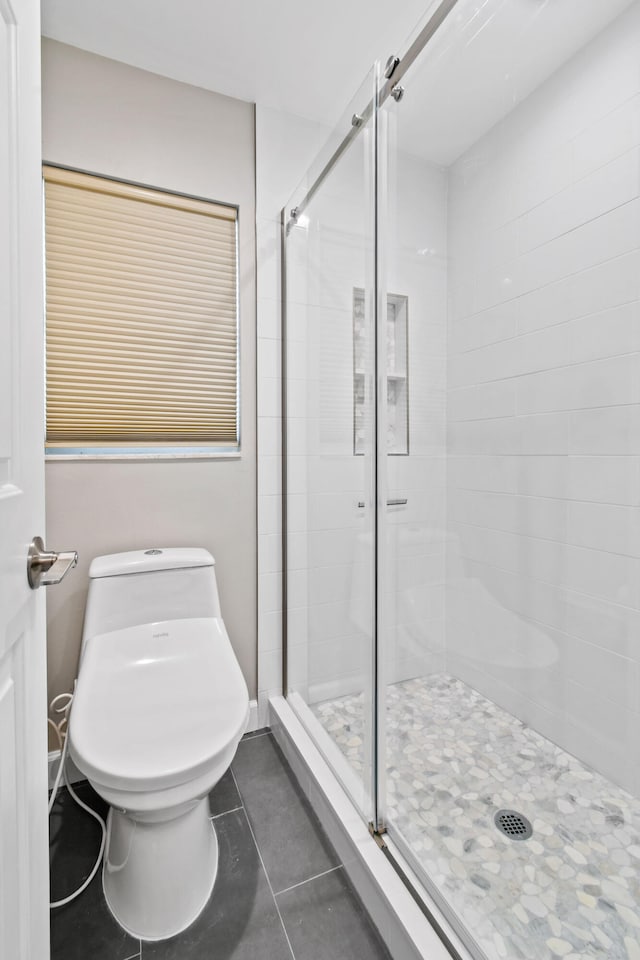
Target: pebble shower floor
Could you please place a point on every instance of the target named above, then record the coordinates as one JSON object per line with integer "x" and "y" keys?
{"x": 454, "y": 758}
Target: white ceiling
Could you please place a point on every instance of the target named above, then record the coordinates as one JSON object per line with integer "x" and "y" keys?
{"x": 308, "y": 58}
{"x": 303, "y": 57}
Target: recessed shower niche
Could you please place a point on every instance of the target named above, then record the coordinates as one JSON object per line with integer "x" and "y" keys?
{"x": 397, "y": 369}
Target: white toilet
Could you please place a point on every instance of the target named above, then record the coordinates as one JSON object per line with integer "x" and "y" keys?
{"x": 159, "y": 709}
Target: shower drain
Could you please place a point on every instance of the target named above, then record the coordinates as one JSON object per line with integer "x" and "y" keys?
{"x": 513, "y": 824}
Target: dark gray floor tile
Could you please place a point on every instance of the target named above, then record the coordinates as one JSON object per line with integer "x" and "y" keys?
{"x": 291, "y": 842}
{"x": 83, "y": 928}
{"x": 241, "y": 921}
{"x": 224, "y": 796}
{"x": 325, "y": 920}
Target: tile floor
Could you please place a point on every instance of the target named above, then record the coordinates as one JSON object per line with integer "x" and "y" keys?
{"x": 454, "y": 759}
{"x": 281, "y": 893}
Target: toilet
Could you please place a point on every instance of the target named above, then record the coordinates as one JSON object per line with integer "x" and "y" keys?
{"x": 159, "y": 709}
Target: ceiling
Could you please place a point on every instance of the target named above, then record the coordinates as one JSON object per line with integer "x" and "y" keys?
{"x": 308, "y": 58}
{"x": 302, "y": 57}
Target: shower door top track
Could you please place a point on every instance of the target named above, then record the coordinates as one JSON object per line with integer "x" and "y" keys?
{"x": 413, "y": 52}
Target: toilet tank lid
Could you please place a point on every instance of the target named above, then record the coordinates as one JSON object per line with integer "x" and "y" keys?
{"x": 144, "y": 561}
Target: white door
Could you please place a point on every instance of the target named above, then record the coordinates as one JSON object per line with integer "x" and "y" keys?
{"x": 24, "y": 878}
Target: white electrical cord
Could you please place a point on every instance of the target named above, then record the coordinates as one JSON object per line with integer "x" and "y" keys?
{"x": 61, "y": 731}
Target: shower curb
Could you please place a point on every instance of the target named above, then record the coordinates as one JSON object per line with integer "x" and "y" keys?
{"x": 401, "y": 923}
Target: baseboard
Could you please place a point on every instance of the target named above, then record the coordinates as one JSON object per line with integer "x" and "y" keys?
{"x": 74, "y": 775}
{"x": 254, "y": 720}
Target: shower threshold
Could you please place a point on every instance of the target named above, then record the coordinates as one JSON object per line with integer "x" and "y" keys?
{"x": 454, "y": 759}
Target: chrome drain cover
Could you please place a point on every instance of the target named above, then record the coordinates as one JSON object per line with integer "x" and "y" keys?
{"x": 513, "y": 824}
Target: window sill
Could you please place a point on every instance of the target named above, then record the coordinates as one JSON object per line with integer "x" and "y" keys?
{"x": 119, "y": 455}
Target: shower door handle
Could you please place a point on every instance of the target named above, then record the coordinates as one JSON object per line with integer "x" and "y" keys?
{"x": 398, "y": 502}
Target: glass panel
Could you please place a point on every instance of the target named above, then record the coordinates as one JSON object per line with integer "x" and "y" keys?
{"x": 330, "y": 422}
{"x": 512, "y": 573}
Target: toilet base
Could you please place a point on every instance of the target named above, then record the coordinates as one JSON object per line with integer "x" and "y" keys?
{"x": 158, "y": 876}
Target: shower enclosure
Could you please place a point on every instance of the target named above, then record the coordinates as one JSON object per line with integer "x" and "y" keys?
{"x": 461, "y": 355}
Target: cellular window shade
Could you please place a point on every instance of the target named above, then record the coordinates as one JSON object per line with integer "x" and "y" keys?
{"x": 141, "y": 315}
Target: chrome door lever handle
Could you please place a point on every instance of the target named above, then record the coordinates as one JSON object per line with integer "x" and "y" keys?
{"x": 46, "y": 567}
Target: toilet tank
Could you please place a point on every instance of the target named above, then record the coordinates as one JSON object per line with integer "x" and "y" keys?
{"x": 147, "y": 586}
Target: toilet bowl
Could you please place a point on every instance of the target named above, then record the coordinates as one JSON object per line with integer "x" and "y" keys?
{"x": 159, "y": 709}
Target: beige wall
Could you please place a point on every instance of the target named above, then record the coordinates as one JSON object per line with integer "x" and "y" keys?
{"x": 109, "y": 118}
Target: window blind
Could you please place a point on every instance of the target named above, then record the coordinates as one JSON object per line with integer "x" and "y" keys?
{"x": 141, "y": 340}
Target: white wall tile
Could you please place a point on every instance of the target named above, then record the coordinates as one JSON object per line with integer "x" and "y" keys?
{"x": 269, "y": 514}
{"x": 269, "y": 592}
{"x": 270, "y": 672}
{"x": 269, "y": 357}
{"x": 606, "y": 285}
{"x": 610, "y": 333}
{"x": 604, "y": 526}
{"x": 596, "y": 194}
{"x": 604, "y": 479}
{"x": 269, "y": 552}
{"x": 609, "y": 431}
{"x": 611, "y": 626}
{"x": 269, "y": 436}
{"x": 269, "y": 475}
{"x": 601, "y": 383}
{"x": 269, "y": 397}
{"x": 601, "y": 142}
{"x": 497, "y": 323}
{"x": 268, "y": 318}
{"x": 543, "y": 409}
{"x": 270, "y": 630}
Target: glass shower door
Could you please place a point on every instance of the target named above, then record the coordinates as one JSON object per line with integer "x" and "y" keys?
{"x": 411, "y": 458}
{"x": 330, "y": 421}
{"x": 509, "y": 693}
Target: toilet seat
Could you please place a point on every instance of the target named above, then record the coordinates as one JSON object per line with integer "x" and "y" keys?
{"x": 157, "y": 705}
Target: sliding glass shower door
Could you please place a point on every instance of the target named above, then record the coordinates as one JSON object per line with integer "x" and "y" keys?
{"x": 511, "y": 236}
{"x": 329, "y": 461}
{"x": 463, "y": 470}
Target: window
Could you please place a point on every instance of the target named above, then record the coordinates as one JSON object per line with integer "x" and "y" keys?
{"x": 141, "y": 344}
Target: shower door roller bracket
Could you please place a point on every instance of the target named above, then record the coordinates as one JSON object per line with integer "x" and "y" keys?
{"x": 378, "y": 835}
{"x": 46, "y": 567}
{"x": 390, "y": 66}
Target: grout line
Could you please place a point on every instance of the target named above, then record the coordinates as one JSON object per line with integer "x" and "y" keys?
{"x": 533, "y": 536}
{"x": 216, "y": 816}
{"x": 284, "y": 929}
{"x": 309, "y": 879}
